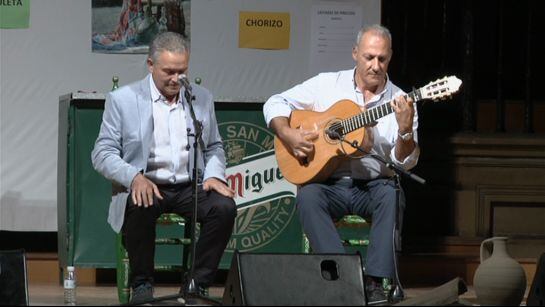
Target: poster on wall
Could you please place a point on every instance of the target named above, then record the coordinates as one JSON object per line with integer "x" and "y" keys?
{"x": 14, "y": 14}
{"x": 264, "y": 30}
{"x": 334, "y": 27}
{"x": 128, "y": 26}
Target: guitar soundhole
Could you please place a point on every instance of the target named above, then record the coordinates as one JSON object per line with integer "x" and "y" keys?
{"x": 334, "y": 133}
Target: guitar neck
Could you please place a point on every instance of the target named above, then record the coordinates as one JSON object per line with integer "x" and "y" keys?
{"x": 372, "y": 115}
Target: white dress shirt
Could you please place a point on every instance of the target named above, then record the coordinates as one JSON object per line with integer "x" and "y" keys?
{"x": 321, "y": 92}
{"x": 169, "y": 153}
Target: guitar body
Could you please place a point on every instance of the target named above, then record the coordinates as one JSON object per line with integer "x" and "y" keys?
{"x": 343, "y": 119}
{"x": 328, "y": 153}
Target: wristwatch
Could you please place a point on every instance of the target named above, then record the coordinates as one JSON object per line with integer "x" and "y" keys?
{"x": 406, "y": 136}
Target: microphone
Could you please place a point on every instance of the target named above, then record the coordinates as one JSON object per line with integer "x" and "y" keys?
{"x": 334, "y": 135}
{"x": 184, "y": 81}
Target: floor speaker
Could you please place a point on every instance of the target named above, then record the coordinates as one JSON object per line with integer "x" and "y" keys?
{"x": 294, "y": 279}
{"x": 536, "y": 296}
{"x": 13, "y": 278}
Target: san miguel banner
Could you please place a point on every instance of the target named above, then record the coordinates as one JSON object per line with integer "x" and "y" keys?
{"x": 264, "y": 201}
{"x": 257, "y": 179}
{"x": 266, "y": 219}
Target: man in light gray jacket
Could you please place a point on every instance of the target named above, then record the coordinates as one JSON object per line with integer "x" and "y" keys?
{"x": 146, "y": 147}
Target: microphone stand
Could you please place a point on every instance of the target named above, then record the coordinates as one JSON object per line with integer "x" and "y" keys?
{"x": 191, "y": 293}
{"x": 398, "y": 293}
{"x": 190, "y": 296}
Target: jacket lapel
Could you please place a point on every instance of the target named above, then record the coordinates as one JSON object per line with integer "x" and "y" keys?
{"x": 145, "y": 115}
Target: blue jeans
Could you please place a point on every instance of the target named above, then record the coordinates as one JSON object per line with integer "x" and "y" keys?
{"x": 319, "y": 205}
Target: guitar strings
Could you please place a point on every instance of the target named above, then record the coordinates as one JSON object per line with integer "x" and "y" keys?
{"x": 367, "y": 117}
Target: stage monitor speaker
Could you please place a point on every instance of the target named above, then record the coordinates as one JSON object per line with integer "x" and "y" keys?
{"x": 536, "y": 296}
{"x": 13, "y": 278}
{"x": 295, "y": 279}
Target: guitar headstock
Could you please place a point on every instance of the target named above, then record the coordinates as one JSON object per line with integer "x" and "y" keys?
{"x": 441, "y": 89}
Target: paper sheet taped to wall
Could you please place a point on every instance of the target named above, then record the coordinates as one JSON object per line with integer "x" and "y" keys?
{"x": 264, "y": 30}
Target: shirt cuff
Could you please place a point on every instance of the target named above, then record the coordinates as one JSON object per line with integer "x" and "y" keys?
{"x": 274, "y": 109}
{"x": 409, "y": 161}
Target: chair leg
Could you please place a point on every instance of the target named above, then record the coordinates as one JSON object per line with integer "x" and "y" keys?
{"x": 306, "y": 245}
{"x": 122, "y": 272}
{"x": 186, "y": 245}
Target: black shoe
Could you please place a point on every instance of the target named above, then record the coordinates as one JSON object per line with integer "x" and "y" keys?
{"x": 141, "y": 294}
{"x": 374, "y": 291}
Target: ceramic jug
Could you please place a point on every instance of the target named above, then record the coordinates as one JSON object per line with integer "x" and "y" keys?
{"x": 499, "y": 279}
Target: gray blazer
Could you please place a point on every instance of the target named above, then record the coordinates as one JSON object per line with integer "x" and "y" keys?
{"x": 123, "y": 144}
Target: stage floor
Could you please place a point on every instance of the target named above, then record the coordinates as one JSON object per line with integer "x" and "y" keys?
{"x": 52, "y": 295}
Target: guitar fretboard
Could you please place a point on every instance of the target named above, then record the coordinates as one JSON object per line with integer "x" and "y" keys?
{"x": 369, "y": 116}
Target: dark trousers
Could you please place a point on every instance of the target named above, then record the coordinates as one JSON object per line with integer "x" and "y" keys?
{"x": 215, "y": 213}
{"x": 319, "y": 205}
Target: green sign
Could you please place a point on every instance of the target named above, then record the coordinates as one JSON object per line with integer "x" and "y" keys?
{"x": 266, "y": 220}
{"x": 14, "y": 14}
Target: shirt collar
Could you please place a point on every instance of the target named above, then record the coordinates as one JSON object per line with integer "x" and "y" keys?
{"x": 384, "y": 90}
{"x": 156, "y": 95}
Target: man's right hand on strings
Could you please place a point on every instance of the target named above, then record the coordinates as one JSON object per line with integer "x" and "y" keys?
{"x": 299, "y": 141}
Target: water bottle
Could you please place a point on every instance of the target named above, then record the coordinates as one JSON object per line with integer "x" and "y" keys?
{"x": 70, "y": 287}
{"x": 115, "y": 80}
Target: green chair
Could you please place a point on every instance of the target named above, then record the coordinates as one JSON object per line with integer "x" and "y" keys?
{"x": 354, "y": 233}
{"x": 167, "y": 224}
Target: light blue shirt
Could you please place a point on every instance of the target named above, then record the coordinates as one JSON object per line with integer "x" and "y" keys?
{"x": 321, "y": 92}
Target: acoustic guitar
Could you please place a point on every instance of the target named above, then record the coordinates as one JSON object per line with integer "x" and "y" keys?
{"x": 343, "y": 120}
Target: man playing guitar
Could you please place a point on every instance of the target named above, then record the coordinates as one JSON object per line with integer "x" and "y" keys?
{"x": 357, "y": 185}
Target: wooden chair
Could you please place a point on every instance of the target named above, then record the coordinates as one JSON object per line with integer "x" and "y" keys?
{"x": 354, "y": 232}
